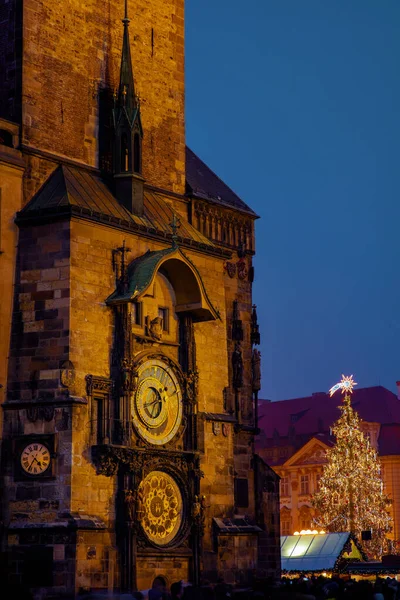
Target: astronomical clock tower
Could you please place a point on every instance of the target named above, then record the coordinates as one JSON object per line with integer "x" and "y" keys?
{"x": 129, "y": 401}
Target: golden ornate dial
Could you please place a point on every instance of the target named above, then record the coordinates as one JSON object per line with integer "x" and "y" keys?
{"x": 161, "y": 507}
{"x": 157, "y": 403}
{"x": 35, "y": 458}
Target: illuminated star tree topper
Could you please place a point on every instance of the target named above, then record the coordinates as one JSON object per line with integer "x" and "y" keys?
{"x": 346, "y": 385}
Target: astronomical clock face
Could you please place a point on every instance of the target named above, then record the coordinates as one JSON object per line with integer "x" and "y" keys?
{"x": 157, "y": 403}
{"x": 161, "y": 507}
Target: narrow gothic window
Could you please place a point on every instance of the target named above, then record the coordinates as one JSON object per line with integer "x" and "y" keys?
{"x": 124, "y": 153}
{"x": 136, "y": 154}
{"x": 163, "y": 314}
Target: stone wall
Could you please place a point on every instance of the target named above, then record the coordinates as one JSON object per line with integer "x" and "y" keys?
{"x": 40, "y": 328}
{"x": 11, "y": 173}
{"x": 72, "y": 54}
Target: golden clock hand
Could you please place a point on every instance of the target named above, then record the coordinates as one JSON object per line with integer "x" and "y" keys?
{"x": 150, "y": 403}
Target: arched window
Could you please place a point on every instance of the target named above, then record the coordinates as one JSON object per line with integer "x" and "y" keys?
{"x": 124, "y": 153}
{"x": 137, "y": 167}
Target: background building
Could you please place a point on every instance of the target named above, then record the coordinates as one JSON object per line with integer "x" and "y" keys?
{"x": 129, "y": 400}
{"x": 296, "y": 433}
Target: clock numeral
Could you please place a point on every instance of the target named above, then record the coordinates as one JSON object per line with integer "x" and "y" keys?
{"x": 30, "y": 449}
{"x": 35, "y": 447}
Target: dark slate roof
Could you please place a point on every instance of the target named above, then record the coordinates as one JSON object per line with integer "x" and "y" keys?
{"x": 314, "y": 415}
{"x": 205, "y": 184}
{"x": 80, "y": 188}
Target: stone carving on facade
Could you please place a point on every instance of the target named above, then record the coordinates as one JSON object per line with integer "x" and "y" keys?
{"x": 256, "y": 370}
{"x": 191, "y": 381}
{"x": 255, "y": 330}
{"x": 129, "y": 376}
{"x": 40, "y": 413}
{"x": 198, "y": 513}
{"x": 242, "y": 269}
{"x": 67, "y": 374}
{"x": 98, "y": 384}
{"x": 315, "y": 457}
{"x": 109, "y": 458}
{"x": 223, "y": 226}
{"x": 32, "y": 414}
{"x": 237, "y": 366}
{"x": 154, "y": 328}
{"x": 225, "y": 429}
{"x": 216, "y": 427}
{"x": 133, "y": 501}
{"x": 230, "y": 269}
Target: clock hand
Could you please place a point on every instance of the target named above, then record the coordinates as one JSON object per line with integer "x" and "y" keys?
{"x": 154, "y": 402}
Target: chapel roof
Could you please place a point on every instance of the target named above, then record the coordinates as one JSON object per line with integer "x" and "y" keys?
{"x": 204, "y": 184}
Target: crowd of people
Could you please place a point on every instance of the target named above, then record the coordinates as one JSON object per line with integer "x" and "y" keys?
{"x": 301, "y": 588}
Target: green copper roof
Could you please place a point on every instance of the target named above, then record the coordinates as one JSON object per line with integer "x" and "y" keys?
{"x": 191, "y": 295}
{"x": 140, "y": 274}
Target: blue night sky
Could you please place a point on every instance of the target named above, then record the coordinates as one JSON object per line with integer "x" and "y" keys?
{"x": 296, "y": 105}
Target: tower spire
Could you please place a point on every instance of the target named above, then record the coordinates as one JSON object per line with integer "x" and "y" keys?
{"x": 128, "y": 132}
{"x": 126, "y": 91}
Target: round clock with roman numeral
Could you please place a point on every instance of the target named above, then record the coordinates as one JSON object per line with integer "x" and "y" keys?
{"x": 35, "y": 459}
{"x": 157, "y": 402}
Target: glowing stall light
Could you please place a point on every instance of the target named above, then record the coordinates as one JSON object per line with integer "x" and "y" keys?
{"x": 309, "y": 532}
{"x": 346, "y": 385}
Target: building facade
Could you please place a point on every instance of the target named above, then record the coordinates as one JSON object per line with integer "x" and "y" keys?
{"x": 295, "y": 434}
{"x": 129, "y": 370}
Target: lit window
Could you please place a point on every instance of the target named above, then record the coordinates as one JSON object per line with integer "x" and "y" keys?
{"x": 305, "y": 522}
{"x": 285, "y": 486}
{"x": 304, "y": 485}
{"x": 163, "y": 314}
{"x": 285, "y": 528}
{"x": 136, "y": 313}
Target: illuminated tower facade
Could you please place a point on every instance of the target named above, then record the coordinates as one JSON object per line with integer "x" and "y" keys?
{"x": 129, "y": 398}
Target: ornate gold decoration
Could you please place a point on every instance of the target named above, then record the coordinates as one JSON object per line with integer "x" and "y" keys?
{"x": 157, "y": 403}
{"x": 161, "y": 506}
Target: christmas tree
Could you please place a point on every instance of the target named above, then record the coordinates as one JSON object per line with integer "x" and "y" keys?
{"x": 350, "y": 495}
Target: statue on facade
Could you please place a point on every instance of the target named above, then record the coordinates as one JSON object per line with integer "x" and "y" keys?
{"x": 237, "y": 366}
{"x": 154, "y": 328}
{"x": 130, "y": 505}
{"x": 256, "y": 370}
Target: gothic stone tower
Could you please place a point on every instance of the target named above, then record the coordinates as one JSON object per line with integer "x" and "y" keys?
{"x": 129, "y": 404}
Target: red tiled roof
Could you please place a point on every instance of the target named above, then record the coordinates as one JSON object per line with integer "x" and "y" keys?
{"x": 294, "y": 422}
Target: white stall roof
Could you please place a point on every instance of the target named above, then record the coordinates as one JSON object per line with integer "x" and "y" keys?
{"x": 312, "y": 552}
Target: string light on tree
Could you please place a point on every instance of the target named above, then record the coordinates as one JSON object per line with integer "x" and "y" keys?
{"x": 350, "y": 495}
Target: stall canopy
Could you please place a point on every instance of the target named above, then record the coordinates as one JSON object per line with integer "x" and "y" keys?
{"x": 313, "y": 553}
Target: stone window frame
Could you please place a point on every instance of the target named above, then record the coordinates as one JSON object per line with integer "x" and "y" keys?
{"x": 284, "y": 485}
{"x": 304, "y": 484}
